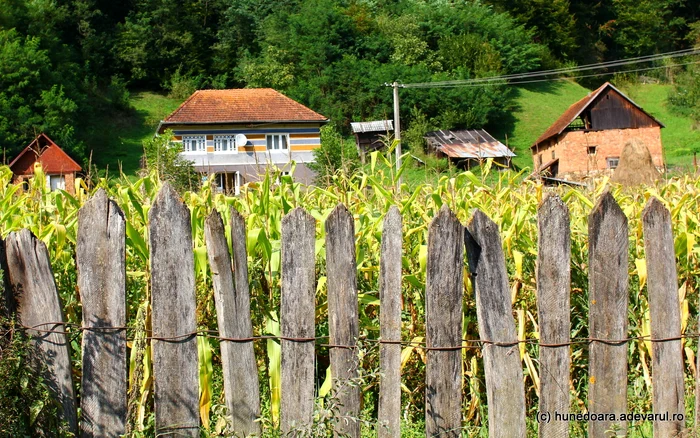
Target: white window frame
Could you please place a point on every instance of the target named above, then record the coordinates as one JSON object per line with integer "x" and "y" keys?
{"x": 60, "y": 184}
{"x": 612, "y": 162}
{"x": 269, "y": 141}
{"x": 232, "y": 147}
{"x": 194, "y": 143}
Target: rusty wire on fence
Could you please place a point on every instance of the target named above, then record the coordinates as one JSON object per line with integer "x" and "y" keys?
{"x": 474, "y": 343}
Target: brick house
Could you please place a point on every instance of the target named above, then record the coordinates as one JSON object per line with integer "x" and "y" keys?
{"x": 59, "y": 168}
{"x": 589, "y": 137}
{"x": 234, "y": 135}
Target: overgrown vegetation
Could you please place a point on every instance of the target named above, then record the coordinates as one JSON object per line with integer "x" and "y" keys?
{"x": 368, "y": 194}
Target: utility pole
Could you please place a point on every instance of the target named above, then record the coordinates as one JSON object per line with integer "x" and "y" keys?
{"x": 397, "y": 128}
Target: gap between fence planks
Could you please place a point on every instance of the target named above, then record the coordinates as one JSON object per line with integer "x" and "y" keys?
{"x": 101, "y": 264}
{"x": 502, "y": 366}
{"x": 232, "y": 299}
{"x": 34, "y": 289}
{"x": 443, "y": 328}
{"x": 297, "y": 316}
{"x": 343, "y": 322}
{"x": 608, "y": 301}
{"x": 175, "y": 362}
{"x": 553, "y": 306}
{"x": 389, "y": 415}
{"x": 664, "y": 309}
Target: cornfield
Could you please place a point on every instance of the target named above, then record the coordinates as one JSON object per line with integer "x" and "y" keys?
{"x": 507, "y": 198}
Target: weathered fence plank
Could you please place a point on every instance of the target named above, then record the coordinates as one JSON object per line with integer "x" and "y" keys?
{"x": 443, "y": 326}
{"x": 553, "y": 298}
{"x": 504, "y": 375}
{"x": 343, "y": 319}
{"x": 7, "y": 305}
{"x": 389, "y": 416}
{"x": 297, "y": 316}
{"x": 233, "y": 315}
{"x": 175, "y": 361}
{"x": 608, "y": 299}
{"x": 664, "y": 308}
{"x": 101, "y": 258}
{"x": 38, "y": 304}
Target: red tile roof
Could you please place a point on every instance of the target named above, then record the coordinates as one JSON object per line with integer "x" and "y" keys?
{"x": 576, "y": 109}
{"x": 241, "y": 105}
{"x": 52, "y": 158}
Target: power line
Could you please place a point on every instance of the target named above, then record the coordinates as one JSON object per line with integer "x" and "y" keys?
{"x": 567, "y": 78}
{"x": 544, "y": 73}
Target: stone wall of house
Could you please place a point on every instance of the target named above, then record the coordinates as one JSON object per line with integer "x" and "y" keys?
{"x": 583, "y": 153}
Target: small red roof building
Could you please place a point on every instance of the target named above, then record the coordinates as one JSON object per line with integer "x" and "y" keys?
{"x": 589, "y": 136}
{"x": 59, "y": 168}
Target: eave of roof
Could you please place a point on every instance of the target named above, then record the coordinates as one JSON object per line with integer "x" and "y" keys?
{"x": 577, "y": 108}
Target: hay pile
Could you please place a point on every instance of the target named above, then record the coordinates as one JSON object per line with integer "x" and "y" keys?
{"x": 636, "y": 166}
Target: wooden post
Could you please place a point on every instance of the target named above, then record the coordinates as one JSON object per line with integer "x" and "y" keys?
{"x": 7, "y": 301}
{"x": 504, "y": 375}
{"x": 298, "y": 321}
{"x": 389, "y": 417}
{"x": 241, "y": 386}
{"x": 38, "y": 303}
{"x": 608, "y": 299}
{"x": 443, "y": 326}
{"x": 343, "y": 318}
{"x": 175, "y": 360}
{"x": 101, "y": 263}
{"x": 664, "y": 308}
{"x": 553, "y": 298}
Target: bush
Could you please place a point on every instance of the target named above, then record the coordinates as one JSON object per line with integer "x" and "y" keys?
{"x": 334, "y": 154}
{"x": 163, "y": 158}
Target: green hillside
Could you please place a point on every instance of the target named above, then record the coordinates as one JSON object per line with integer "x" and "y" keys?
{"x": 679, "y": 138}
{"x": 118, "y": 144}
{"x": 537, "y": 106}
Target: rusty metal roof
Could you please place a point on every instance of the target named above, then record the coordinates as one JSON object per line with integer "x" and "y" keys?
{"x": 475, "y": 143}
{"x": 577, "y": 108}
{"x": 374, "y": 126}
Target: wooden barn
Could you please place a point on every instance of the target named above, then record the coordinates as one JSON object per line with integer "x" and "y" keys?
{"x": 59, "y": 168}
{"x": 369, "y": 135}
{"x": 589, "y": 137}
{"x": 467, "y": 148}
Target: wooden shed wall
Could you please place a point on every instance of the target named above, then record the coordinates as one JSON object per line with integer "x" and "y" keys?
{"x": 612, "y": 111}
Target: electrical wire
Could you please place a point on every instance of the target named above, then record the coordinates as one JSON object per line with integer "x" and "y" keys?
{"x": 618, "y": 63}
{"x": 567, "y": 78}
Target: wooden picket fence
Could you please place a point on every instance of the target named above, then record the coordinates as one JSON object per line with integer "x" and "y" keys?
{"x": 101, "y": 279}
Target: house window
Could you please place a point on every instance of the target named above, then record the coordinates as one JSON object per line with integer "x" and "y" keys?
{"x": 55, "y": 182}
{"x": 277, "y": 142}
{"x": 591, "y": 150}
{"x": 553, "y": 154}
{"x": 225, "y": 143}
{"x": 613, "y": 162}
{"x": 193, "y": 143}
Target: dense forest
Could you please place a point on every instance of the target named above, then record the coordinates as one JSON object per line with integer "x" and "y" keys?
{"x": 66, "y": 64}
